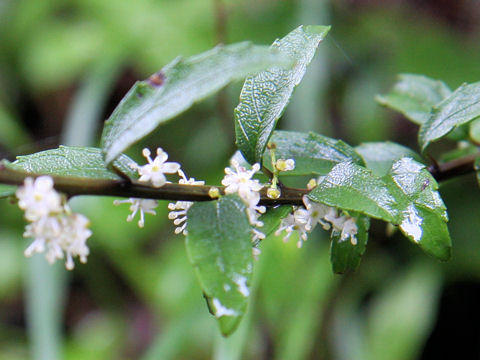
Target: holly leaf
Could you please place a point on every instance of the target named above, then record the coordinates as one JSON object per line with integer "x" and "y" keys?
{"x": 313, "y": 153}
{"x": 351, "y": 187}
{"x": 461, "y": 107}
{"x": 73, "y": 162}
{"x": 220, "y": 249}
{"x": 264, "y": 96}
{"x": 344, "y": 255}
{"x": 380, "y": 156}
{"x": 422, "y": 216}
{"x": 414, "y": 96}
{"x": 177, "y": 87}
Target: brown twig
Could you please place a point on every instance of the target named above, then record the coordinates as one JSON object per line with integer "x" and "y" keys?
{"x": 124, "y": 188}
{"x": 454, "y": 168}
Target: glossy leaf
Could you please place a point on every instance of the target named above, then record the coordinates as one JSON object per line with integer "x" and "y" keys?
{"x": 352, "y": 187}
{"x": 178, "y": 86}
{"x": 379, "y": 156}
{"x": 264, "y": 96}
{"x": 344, "y": 255}
{"x": 69, "y": 161}
{"x": 414, "y": 96}
{"x": 422, "y": 216}
{"x": 313, "y": 153}
{"x": 477, "y": 169}
{"x": 459, "y": 108}
{"x": 220, "y": 249}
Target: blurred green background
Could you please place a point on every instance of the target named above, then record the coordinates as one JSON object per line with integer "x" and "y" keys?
{"x": 64, "y": 65}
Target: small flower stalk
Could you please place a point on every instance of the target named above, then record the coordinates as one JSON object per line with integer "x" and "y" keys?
{"x": 55, "y": 229}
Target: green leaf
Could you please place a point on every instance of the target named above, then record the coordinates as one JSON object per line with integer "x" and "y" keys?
{"x": 351, "y": 187}
{"x": 265, "y": 95}
{"x": 414, "y": 96}
{"x": 422, "y": 216}
{"x": 313, "y": 153}
{"x": 70, "y": 161}
{"x": 459, "y": 108}
{"x": 177, "y": 87}
{"x": 474, "y": 131}
{"x": 477, "y": 169}
{"x": 220, "y": 249}
{"x": 379, "y": 156}
{"x": 345, "y": 256}
{"x": 7, "y": 190}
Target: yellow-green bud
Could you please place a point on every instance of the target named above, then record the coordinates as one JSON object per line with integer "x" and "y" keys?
{"x": 214, "y": 193}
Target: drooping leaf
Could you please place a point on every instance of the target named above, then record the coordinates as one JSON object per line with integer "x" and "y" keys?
{"x": 313, "y": 153}
{"x": 264, "y": 96}
{"x": 461, "y": 107}
{"x": 414, "y": 96}
{"x": 75, "y": 162}
{"x": 177, "y": 87}
{"x": 352, "y": 187}
{"x": 344, "y": 255}
{"x": 423, "y": 216}
{"x": 379, "y": 156}
{"x": 220, "y": 249}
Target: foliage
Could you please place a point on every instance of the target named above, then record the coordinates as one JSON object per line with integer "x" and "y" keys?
{"x": 375, "y": 180}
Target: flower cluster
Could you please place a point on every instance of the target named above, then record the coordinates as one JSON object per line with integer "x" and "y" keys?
{"x": 304, "y": 219}
{"x": 239, "y": 180}
{"x": 53, "y": 226}
{"x": 178, "y": 210}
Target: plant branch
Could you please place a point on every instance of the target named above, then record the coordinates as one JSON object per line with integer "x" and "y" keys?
{"x": 179, "y": 192}
{"x": 454, "y": 168}
{"x": 124, "y": 188}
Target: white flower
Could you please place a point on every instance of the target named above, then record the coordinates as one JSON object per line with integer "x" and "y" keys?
{"x": 312, "y": 214}
{"x": 46, "y": 233}
{"x": 304, "y": 219}
{"x": 240, "y": 181}
{"x": 345, "y": 225}
{"x": 179, "y": 209}
{"x": 54, "y": 228}
{"x": 144, "y": 206}
{"x": 290, "y": 224}
{"x": 38, "y": 198}
{"x": 285, "y": 165}
{"x": 74, "y": 238}
{"x": 155, "y": 169}
{"x": 59, "y": 236}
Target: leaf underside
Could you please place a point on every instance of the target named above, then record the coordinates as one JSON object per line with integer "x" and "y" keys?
{"x": 177, "y": 87}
